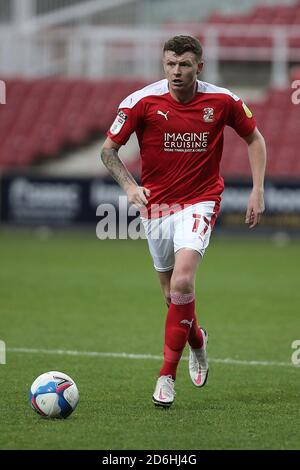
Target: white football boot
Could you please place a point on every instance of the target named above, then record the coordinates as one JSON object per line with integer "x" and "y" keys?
{"x": 164, "y": 393}
{"x": 198, "y": 365}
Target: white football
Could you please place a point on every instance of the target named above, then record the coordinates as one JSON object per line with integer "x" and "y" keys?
{"x": 54, "y": 395}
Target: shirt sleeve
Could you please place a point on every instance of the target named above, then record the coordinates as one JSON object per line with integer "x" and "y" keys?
{"x": 240, "y": 118}
{"x": 125, "y": 123}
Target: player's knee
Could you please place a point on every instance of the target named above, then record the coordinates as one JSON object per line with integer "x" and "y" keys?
{"x": 182, "y": 283}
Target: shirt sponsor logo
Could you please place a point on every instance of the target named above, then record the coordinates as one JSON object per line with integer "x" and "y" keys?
{"x": 118, "y": 123}
{"x": 187, "y": 142}
{"x": 208, "y": 115}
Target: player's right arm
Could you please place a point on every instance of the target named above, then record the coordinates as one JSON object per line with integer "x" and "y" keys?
{"x": 109, "y": 155}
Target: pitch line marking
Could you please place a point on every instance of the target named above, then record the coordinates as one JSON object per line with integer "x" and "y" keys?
{"x": 144, "y": 356}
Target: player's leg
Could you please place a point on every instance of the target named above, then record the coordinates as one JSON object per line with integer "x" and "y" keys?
{"x": 195, "y": 338}
{"x": 182, "y": 323}
{"x": 192, "y": 228}
{"x": 183, "y": 282}
{"x": 165, "y": 281}
{"x": 160, "y": 234}
{"x": 179, "y": 322}
{"x": 184, "y": 277}
{"x": 181, "y": 314}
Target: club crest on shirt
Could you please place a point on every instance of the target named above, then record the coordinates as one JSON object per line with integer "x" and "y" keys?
{"x": 208, "y": 115}
{"x": 118, "y": 122}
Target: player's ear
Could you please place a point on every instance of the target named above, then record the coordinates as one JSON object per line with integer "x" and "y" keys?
{"x": 200, "y": 67}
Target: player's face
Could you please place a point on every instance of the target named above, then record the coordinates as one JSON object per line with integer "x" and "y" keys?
{"x": 181, "y": 70}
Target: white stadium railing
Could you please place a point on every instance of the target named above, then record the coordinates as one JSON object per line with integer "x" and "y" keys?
{"x": 98, "y": 52}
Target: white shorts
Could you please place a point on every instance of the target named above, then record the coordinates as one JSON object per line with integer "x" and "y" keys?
{"x": 188, "y": 228}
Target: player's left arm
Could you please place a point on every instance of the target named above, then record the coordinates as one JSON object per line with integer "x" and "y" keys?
{"x": 257, "y": 157}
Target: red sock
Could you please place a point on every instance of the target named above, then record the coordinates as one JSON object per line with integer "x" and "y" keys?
{"x": 195, "y": 337}
{"x": 180, "y": 319}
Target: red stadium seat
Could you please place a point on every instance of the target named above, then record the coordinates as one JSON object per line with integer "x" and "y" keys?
{"x": 264, "y": 14}
{"x": 44, "y": 117}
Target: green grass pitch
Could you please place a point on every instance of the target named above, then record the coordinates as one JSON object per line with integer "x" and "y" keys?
{"x": 74, "y": 292}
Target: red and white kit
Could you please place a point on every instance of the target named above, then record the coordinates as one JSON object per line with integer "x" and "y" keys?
{"x": 181, "y": 147}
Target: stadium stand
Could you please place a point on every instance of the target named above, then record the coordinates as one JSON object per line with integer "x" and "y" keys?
{"x": 174, "y": 11}
{"x": 278, "y": 120}
{"x": 44, "y": 117}
{"x": 260, "y": 15}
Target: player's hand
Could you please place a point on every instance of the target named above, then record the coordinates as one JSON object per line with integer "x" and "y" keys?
{"x": 256, "y": 207}
{"x": 137, "y": 195}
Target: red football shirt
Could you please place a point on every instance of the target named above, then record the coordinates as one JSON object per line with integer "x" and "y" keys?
{"x": 181, "y": 144}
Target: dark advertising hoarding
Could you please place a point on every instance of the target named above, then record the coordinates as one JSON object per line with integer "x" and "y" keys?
{"x": 64, "y": 202}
